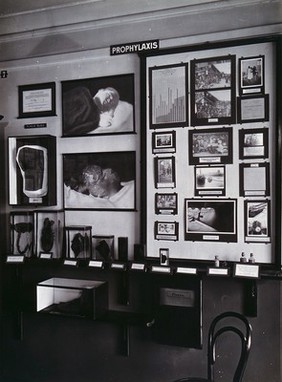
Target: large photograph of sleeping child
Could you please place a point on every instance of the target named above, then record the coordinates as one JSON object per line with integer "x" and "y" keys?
{"x": 103, "y": 105}
{"x": 104, "y": 181}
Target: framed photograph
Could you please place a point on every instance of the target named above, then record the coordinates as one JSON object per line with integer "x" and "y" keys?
{"x": 211, "y": 220}
{"x": 163, "y": 142}
{"x": 253, "y": 143}
{"x": 251, "y": 75}
{"x": 165, "y": 172}
{"x": 210, "y": 146}
{"x": 213, "y": 91}
{"x": 165, "y": 230}
{"x": 103, "y": 105}
{"x": 254, "y": 179}
{"x": 168, "y": 92}
{"x": 210, "y": 180}
{"x": 32, "y": 170}
{"x": 100, "y": 180}
{"x": 253, "y": 109}
{"x": 37, "y": 100}
{"x": 166, "y": 204}
{"x": 257, "y": 221}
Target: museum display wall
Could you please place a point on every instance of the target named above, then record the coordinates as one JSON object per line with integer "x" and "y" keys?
{"x": 84, "y": 268}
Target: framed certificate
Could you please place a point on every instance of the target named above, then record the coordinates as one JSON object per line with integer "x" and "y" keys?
{"x": 38, "y": 100}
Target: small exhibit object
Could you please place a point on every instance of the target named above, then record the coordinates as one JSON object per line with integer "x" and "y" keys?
{"x": 72, "y": 297}
{"x": 79, "y": 242}
{"x": 49, "y": 233}
{"x": 103, "y": 247}
{"x": 21, "y": 233}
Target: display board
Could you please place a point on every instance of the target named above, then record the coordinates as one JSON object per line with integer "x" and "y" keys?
{"x": 210, "y": 143}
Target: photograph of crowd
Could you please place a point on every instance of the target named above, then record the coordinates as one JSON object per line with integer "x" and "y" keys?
{"x": 213, "y": 104}
{"x": 211, "y": 74}
{"x": 207, "y": 144}
{"x": 166, "y": 204}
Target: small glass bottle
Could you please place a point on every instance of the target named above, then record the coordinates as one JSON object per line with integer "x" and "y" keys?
{"x": 252, "y": 259}
{"x": 216, "y": 261}
{"x": 243, "y": 258}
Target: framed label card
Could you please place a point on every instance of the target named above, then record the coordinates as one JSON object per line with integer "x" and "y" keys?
{"x": 257, "y": 221}
{"x": 253, "y": 109}
{"x": 210, "y": 146}
{"x": 168, "y": 90}
{"x": 253, "y": 143}
{"x": 254, "y": 179}
{"x": 213, "y": 91}
{"x": 38, "y": 100}
{"x": 251, "y": 71}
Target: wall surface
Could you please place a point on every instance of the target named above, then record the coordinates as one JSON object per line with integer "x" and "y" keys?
{"x": 66, "y": 42}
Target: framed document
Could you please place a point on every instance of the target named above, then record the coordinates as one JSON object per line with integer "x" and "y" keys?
{"x": 253, "y": 109}
{"x": 37, "y": 100}
{"x": 254, "y": 179}
{"x": 168, "y": 87}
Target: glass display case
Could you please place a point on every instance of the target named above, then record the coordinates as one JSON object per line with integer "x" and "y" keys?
{"x": 32, "y": 170}
{"x": 49, "y": 234}
{"x": 72, "y": 297}
{"x": 103, "y": 247}
{"x": 21, "y": 233}
{"x": 78, "y": 242}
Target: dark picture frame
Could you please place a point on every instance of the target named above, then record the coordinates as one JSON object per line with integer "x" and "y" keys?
{"x": 251, "y": 75}
{"x": 89, "y": 177}
{"x": 254, "y": 179}
{"x": 211, "y": 220}
{"x": 164, "y": 172}
{"x": 257, "y": 221}
{"x": 211, "y": 146}
{"x": 168, "y": 96}
{"x": 166, "y": 230}
{"x": 213, "y": 91}
{"x": 253, "y": 108}
{"x": 210, "y": 180}
{"x": 166, "y": 203}
{"x": 98, "y": 106}
{"x": 37, "y": 100}
{"x": 253, "y": 143}
{"x": 163, "y": 142}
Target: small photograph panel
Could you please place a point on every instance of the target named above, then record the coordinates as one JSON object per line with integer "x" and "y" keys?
{"x": 257, "y": 221}
{"x": 253, "y": 143}
{"x": 165, "y": 172}
{"x": 166, "y": 204}
{"x": 210, "y": 146}
{"x": 210, "y": 180}
{"x": 165, "y": 230}
{"x": 251, "y": 74}
{"x": 164, "y": 142}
